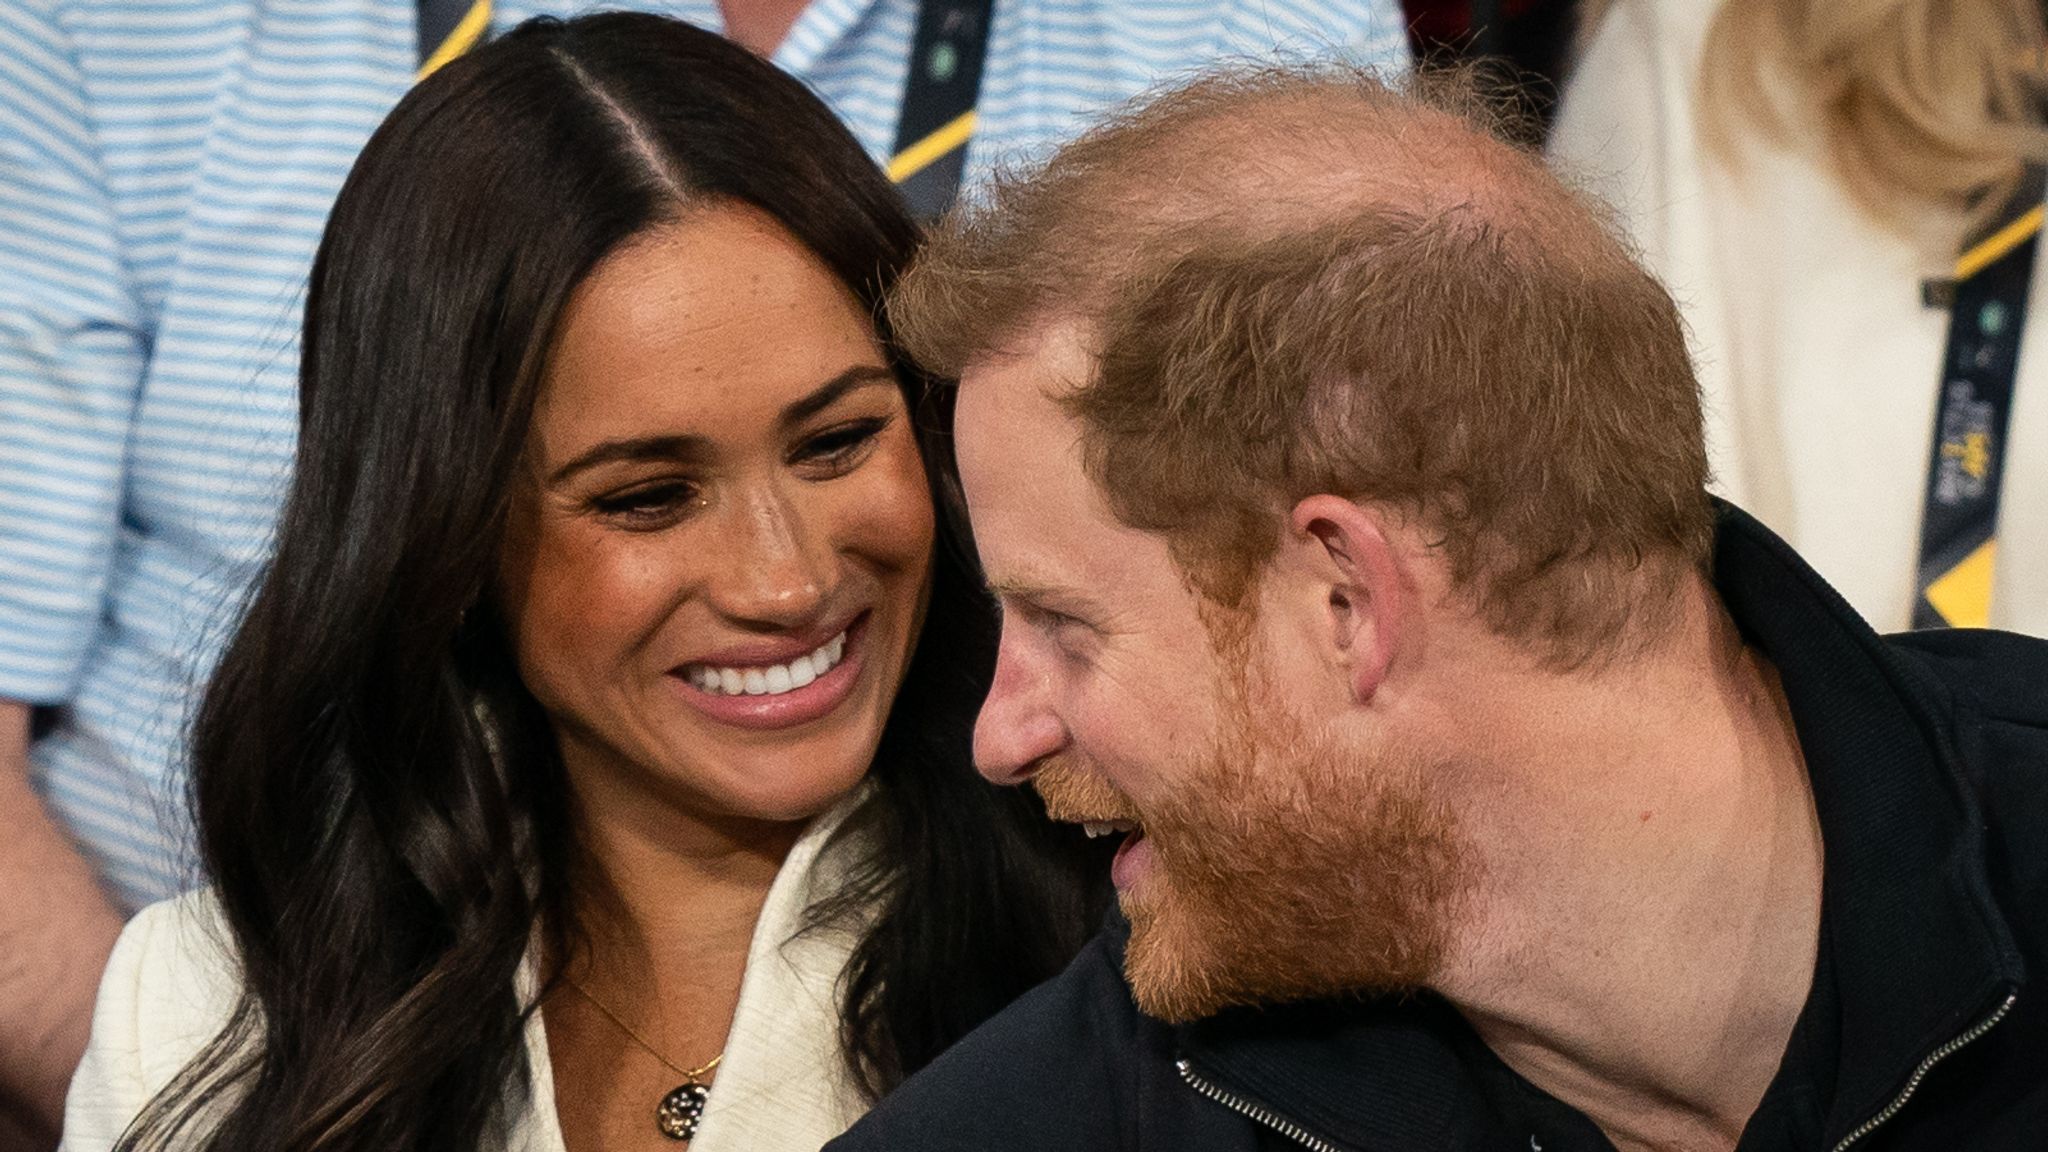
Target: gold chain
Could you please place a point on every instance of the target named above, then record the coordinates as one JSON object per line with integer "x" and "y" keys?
{"x": 689, "y": 1075}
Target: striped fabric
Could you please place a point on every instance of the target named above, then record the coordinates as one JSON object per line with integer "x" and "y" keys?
{"x": 165, "y": 168}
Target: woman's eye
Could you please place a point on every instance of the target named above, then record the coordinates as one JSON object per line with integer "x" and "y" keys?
{"x": 836, "y": 451}
{"x": 650, "y": 506}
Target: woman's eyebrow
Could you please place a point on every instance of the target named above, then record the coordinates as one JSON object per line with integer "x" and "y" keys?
{"x": 829, "y": 393}
{"x": 685, "y": 449}
{"x": 679, "y": 449}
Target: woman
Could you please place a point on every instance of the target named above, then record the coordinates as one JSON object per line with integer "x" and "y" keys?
{"x": 590, "y": 769}
{"x": 1795, "y": 171}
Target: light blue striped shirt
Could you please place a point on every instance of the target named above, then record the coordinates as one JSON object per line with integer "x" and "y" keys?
{"x": 165, "y": 169}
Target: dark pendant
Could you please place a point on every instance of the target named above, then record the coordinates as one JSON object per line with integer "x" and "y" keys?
{"x": 681, "y": 1109}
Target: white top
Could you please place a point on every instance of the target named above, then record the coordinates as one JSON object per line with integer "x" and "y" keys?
{"x": 782, "y": 1086}
{"x": 1818, "y": 361}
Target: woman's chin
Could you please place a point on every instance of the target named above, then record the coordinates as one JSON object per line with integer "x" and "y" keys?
{"x": 778, "y": 785}
{"x": 793, "y": 801}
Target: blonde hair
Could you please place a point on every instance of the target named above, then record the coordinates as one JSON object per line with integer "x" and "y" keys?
{"x": 1915, "y": 102}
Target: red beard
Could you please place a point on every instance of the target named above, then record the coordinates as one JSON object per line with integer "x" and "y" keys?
{"x": 1285, "y": 869}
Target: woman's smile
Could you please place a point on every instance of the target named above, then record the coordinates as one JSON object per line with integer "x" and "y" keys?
{"x": 758, "y": 685}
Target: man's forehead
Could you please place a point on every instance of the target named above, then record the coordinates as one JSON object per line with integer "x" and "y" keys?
{"x": 1038, "y": 518}
{"x": 1008, "y": 419}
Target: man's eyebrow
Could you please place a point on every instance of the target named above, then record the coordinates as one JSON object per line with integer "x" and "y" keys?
{"x": 1042, "y": 595}
{"x": 688, "y": 448}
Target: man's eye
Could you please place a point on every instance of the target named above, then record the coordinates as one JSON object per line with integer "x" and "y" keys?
{"x": 649, "y": 506}
{"x": 837, "y": 450}
{"x": 1073, "y": 636}
{"x": 1053, "y": 620}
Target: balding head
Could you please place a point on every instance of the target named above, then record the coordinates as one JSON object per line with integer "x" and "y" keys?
{"x": 1232, "y": 158}
{"x": 1296, "y": 281}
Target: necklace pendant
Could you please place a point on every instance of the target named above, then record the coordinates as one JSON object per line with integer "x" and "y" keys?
{"x": 681, "y": 1109}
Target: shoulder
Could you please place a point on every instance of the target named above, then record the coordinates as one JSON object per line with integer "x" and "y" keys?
{"x": 2000, "y": 676}
{"x": 1055, "y": 1070}
{"x": 1988, "y": 693}
{"x": 1676, "y": 29}
{"x": 1631, "y": 91}
{"x": 169, "y": 988}
{"x": 1370, "y": 32}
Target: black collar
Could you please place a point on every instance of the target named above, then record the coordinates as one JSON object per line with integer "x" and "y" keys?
{"x": 1921, "y": 953}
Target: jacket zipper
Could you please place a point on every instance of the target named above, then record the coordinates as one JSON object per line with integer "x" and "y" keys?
{"x": 1296, "y": 1133}
{"x": 1935, "y": 1057}
{"x": 1255, "y": 1112}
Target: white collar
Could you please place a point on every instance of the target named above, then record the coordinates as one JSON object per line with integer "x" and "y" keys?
{"x": 783, "y": 1082}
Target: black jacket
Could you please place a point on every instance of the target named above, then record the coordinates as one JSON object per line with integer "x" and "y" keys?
{"x": 1929, "y": 760}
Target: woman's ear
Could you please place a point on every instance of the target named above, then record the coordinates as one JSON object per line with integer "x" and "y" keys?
{"x": 1368, "y": 602}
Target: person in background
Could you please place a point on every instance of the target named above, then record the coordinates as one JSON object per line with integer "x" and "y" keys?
{"x": 1804, "y": 174}
{"x": 165, "y": 169}
{"x": 591, "y": 769}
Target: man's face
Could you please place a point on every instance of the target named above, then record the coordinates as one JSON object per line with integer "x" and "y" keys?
{"x": 1265, "y": 857}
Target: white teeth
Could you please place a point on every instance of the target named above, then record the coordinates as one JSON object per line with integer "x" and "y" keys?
{"x": 1096, "y": 828}
{"x": 773, "y": 680}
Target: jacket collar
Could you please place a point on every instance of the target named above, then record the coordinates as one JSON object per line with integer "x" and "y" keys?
{"x": 1921, "y": 953}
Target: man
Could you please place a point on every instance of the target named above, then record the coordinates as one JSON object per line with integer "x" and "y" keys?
{"x": 1483, "y": 784}
{"x": 165, "y": 168}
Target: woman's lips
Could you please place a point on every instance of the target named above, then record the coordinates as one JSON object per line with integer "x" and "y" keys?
{"x": 776, "y": 696}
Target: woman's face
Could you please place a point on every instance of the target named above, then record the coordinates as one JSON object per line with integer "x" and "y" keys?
{"x": 718, "y": 562}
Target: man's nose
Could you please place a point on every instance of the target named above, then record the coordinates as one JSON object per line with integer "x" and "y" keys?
{"x": 1017, "y": 727}
{"x": 782, "y": 570}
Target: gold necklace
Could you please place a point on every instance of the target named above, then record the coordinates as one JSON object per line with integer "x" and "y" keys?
{"x": 680, "y": 1111}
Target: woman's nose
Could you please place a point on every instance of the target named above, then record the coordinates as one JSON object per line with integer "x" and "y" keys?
{"x": 780, "y": 571}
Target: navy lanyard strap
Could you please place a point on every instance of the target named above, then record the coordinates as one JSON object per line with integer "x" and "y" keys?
{"x": 448, "y": 28}
{"x": 1979, "y": 370}
{"x": 939, "y": 98}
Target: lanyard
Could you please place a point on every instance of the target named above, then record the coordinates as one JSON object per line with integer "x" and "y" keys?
{"x": 1966, "y": 465}
{"x": 448, "y": 28}
{"x": 938, "y": 103}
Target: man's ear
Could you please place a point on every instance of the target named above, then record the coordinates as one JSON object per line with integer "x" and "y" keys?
{"x": 1370, "y": 608}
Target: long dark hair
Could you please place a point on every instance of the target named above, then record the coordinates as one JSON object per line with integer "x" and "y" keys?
{"x": 381, "y": 805}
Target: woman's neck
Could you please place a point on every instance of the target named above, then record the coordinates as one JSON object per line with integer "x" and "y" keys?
{"x": 666, "y": 908}
{"x": 668, "y": 900}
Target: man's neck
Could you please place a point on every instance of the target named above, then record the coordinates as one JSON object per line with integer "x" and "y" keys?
{"x": 1644, "y": 937}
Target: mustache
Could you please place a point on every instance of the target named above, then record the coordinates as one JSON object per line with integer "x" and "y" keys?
{"x": 1075, "y": 791}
